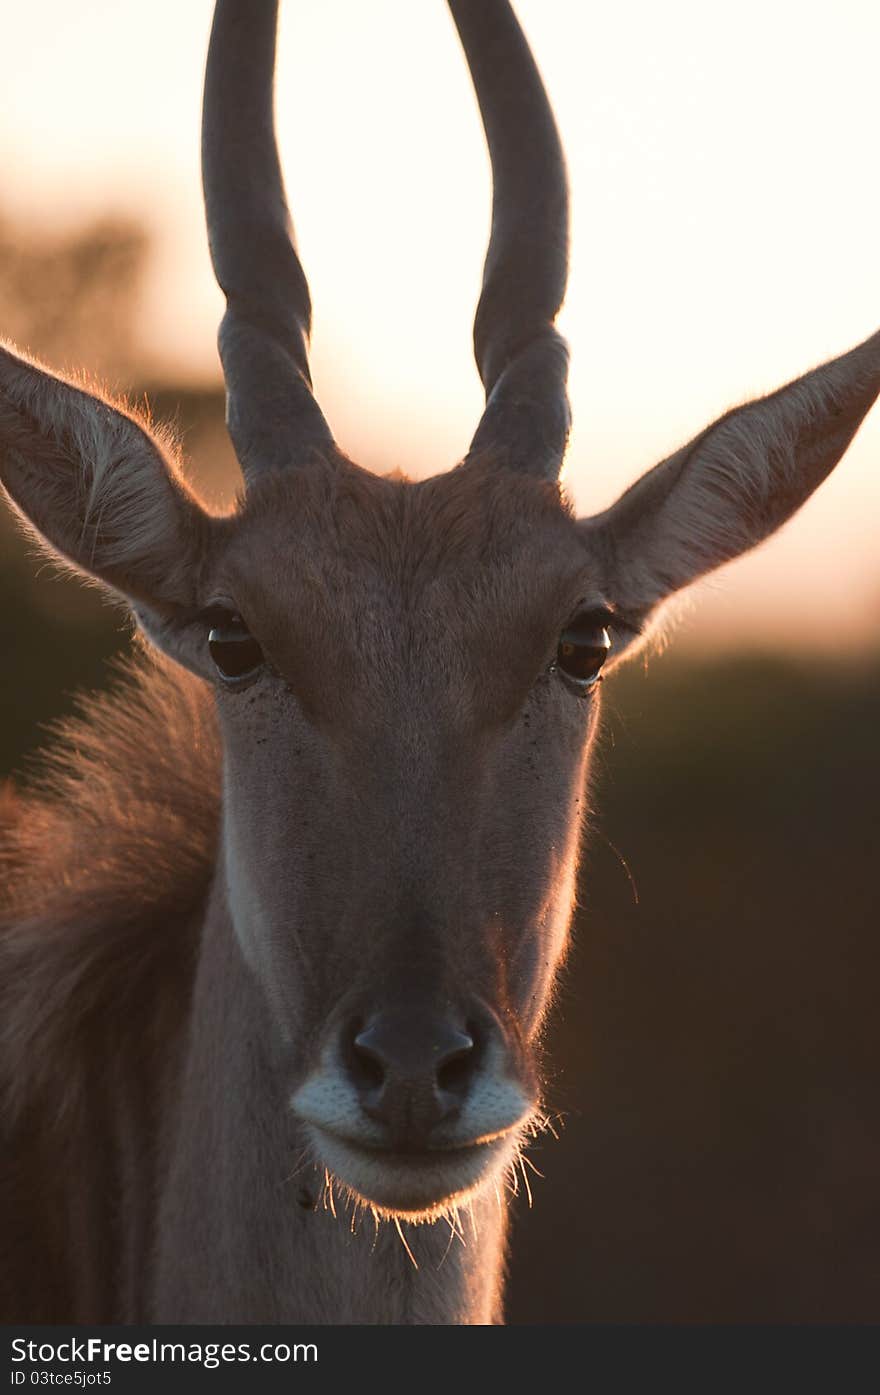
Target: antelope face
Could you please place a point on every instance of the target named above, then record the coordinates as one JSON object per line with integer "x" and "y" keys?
{"x": 404, "y": 673}
{"x": 406, "y": 677}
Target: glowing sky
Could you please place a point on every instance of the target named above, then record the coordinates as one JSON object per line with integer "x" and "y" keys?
{"x": 726, "y": 227}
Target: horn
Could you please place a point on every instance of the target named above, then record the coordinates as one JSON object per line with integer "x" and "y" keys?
{"x": 522, "y": 359}
{"x": 273, "y": 418}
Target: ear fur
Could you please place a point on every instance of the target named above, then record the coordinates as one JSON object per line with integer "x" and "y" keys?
{"x": 733, "y": 485}
{"x": 99, "y": 487}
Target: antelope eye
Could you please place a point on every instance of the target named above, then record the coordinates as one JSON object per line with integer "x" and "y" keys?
{"x": 233, "y": 648}
{"x": 583, "y": 648}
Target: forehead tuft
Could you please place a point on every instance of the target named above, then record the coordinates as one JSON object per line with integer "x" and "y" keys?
{"x": 469, "y": 520}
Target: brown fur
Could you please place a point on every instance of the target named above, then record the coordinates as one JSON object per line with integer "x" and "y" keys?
{"x": 103, "y": 863}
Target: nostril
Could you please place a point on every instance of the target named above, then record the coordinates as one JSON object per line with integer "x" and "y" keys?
{"x": 365, "y": 1063}
{"x": 453, "y": 1075}
{"x": 455, "y": 1069}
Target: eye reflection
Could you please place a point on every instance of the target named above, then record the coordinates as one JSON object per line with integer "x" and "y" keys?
{"x": 235, "y": 652}
{"x": 583, "y": 648}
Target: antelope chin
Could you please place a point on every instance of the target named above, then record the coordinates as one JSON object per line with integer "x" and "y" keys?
{"x": 415, "y": 1186}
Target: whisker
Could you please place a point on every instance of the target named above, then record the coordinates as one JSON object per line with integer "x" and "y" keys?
{"x": 454, "y": 1220}
{"x": 403, "y": 1242}
{"x": 329, "y": 1202}
{"x": 600, "y": 833}
{"x": 473, "y": 1217}
{"x": 525, "y": 1177}
{"x": 452, "y": 1234}
{"x": 298, "y": 1167}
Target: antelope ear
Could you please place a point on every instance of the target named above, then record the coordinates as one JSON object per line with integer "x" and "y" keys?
{"x": 733, "y": 485}
{"x": 100, "y": 489}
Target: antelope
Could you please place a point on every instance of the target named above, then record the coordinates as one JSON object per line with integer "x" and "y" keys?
{"x": 281, "y": 925}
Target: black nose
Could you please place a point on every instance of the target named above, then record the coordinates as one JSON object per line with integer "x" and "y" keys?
{"x": 412, "y": 1072}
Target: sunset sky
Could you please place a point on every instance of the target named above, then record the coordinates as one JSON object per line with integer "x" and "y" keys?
{"x": 726, "y": 230}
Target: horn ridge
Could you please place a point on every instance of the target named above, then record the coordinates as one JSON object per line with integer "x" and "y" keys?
{"x": 521, "y": 357}
{"x": 273, "y": 418}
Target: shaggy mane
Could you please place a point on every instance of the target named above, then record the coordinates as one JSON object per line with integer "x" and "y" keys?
{"x": 104, "y": 863}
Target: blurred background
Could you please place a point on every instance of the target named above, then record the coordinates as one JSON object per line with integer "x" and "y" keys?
{"x": 715, "y": 1045}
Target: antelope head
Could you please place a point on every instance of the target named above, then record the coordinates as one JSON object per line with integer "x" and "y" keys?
{"x": 406, "y": 674}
